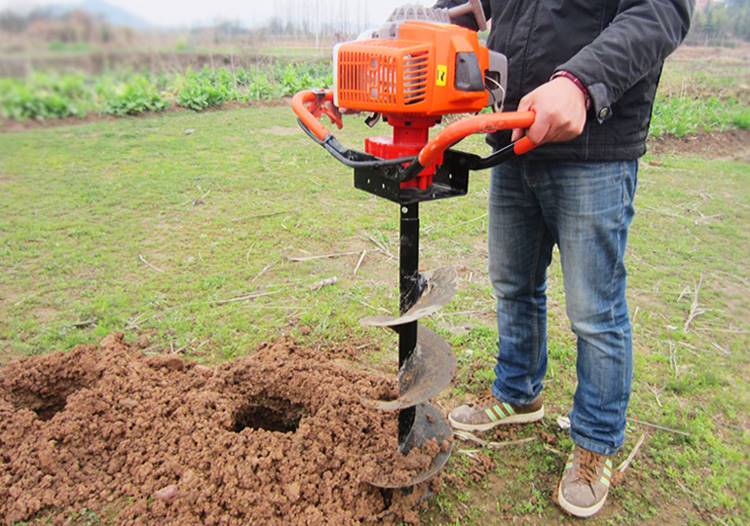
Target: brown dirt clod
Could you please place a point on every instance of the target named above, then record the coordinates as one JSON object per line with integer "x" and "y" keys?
{"x": 279, "y": 437}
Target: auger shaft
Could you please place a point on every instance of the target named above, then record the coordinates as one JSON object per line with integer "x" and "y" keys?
{"x": 409, "y": 294}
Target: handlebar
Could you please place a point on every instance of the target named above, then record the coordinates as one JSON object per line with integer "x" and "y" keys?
{"x": 310, "y": 105}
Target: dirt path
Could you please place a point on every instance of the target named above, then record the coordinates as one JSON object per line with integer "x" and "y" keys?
{"x": 280, "y": 437}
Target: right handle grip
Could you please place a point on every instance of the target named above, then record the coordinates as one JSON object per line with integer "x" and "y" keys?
{"x": 485, "y": 123}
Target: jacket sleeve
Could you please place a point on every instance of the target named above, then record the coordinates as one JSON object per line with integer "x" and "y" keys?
{"x": 465, "y": 20}
{"x": 642, "y": 34}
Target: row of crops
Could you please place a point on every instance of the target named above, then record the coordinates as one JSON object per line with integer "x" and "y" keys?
{"x": 49, "y": 95}
{"x": 53, "y": 95}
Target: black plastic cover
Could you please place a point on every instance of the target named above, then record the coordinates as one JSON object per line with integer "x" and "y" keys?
{"x": 469, "y": 75}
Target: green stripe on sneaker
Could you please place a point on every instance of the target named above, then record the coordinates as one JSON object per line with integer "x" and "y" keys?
{"x": 508, "y": 408}
{"x": 490, "y": 414}
{"x": 607, "y": 472}
{"x": 498, "y": 411}
{"x": 604, "y": 481}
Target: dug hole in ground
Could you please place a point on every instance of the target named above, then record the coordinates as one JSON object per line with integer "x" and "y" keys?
{"x": 279, "y": 437}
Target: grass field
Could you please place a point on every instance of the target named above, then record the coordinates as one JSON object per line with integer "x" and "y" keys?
{"x": 160, "y": 226}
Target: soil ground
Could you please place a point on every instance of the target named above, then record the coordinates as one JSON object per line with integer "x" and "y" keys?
{"x": 281, "y": 437}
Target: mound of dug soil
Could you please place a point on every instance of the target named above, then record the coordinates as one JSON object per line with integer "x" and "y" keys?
{"x": 280, "y": 437}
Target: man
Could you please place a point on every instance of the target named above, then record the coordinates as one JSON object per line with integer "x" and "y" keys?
{"x": 589, "y": 69}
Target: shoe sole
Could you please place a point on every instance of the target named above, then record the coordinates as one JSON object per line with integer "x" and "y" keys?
{"x": 518, "y": 418}
{"x": 577, "y": 510}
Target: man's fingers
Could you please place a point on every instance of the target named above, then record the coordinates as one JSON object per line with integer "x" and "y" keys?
{"x": 538, "y": 131}
{"x": 525, "y": 104}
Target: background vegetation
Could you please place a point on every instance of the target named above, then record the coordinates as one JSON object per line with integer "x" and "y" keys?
{"x": 56, "y": 95}
{"x": 721, "y": 22}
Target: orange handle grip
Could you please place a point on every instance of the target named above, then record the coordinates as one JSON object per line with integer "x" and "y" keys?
{"x": 485, "y": 123}
{"x": 308, "y": 105}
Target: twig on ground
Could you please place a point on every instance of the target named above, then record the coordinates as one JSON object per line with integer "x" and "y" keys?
{"x": 695, "y": 309}
{"x": 261, "y": 216}
{"x": 249, "y": 250}
{"x": 660, "y": 427}
{"x": 470, "y": 437}
{"x": 381, "y": 247}
{"x": 553, "y": 450}
{"x": 626, "y": 463}
{"x": 246, "y": 297}
{"x": 685, "y": 292}
{"x": 133, "y": 323}
{"x": 731, "y": 330}
{"x": 263, "y": 271}
{"x": 149, "y": 265}
{"x": 359, "y": 262}
{"x": 673, "y": 358}
{"x": 324, "y": 283}
{"x": 365, "y": 304}
{"x": 466, "y": 312}
{"x": 322, "y": 256}
{"x": 635, "y": 315}
{"x": 656, "y": 395}
{"x": 704, "y": 218}
{"x": 691, "y": 348}
{"x": 721, "y": 349}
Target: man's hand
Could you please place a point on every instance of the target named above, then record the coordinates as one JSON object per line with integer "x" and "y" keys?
{"x": 560, "y": 108}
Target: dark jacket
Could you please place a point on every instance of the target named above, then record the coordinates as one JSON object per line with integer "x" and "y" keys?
{"x": 615, "y": 47}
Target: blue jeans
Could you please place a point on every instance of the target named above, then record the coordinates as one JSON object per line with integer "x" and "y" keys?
{"x": 584, "y": 208}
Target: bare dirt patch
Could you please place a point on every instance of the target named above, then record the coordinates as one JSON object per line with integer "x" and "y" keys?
{"x": 732, "y": 144}
{"x": 280, "y": 437}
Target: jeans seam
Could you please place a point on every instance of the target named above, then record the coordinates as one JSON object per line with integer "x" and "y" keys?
{"x": 620, "y": 222}
{"x": 620, "y": 255}
{"x": 532, "y": 283}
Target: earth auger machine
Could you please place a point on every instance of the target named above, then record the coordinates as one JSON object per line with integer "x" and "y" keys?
{"x": 411, "y": 72}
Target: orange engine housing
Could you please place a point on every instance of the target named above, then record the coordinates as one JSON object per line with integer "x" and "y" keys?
{"x": 413, "y": 74}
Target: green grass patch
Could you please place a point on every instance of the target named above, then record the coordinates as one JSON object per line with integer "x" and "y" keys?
{"x": 681, "y": 116}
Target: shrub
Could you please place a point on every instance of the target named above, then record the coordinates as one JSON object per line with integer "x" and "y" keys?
{"x": 297, "y": 77}
{"x": 44, "y": 96}
{"x": 137, "y": 95}
{"x": 206, "y": 88}
{"x": 261, "y": 88}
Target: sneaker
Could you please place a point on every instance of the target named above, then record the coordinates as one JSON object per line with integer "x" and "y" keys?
{"x": 492, "y": 413}
{"x": 585, "y": 482}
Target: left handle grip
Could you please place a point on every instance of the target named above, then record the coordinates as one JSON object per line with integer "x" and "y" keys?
{"x": 310, "y": 105}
